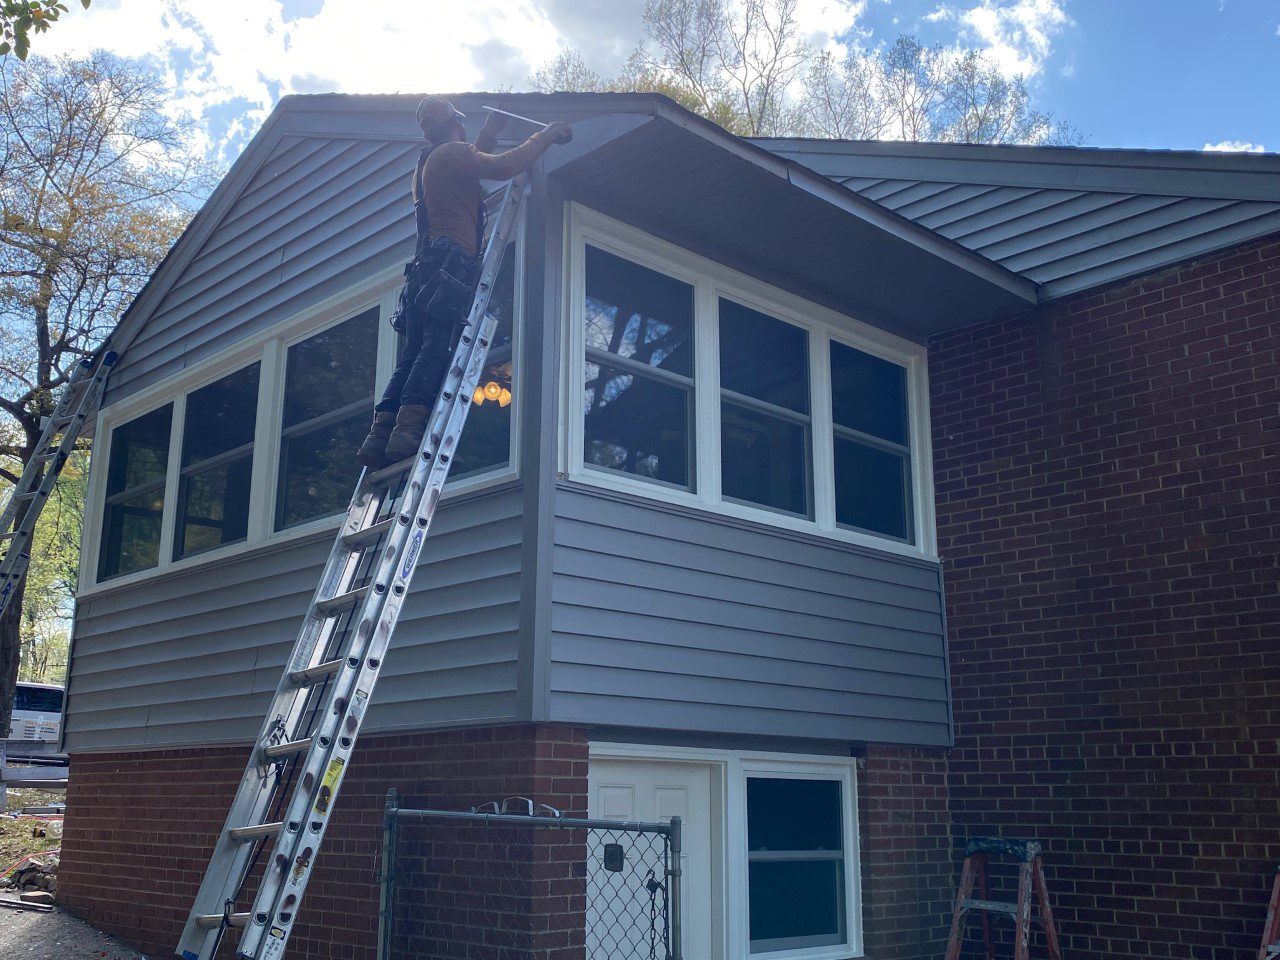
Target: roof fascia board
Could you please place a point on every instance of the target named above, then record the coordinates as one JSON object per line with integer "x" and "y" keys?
{"x": 852, "y": 202}
{"x": 1058, "y": 168}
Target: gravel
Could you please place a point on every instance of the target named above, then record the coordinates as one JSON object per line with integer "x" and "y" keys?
{"x": 32, "y": 935}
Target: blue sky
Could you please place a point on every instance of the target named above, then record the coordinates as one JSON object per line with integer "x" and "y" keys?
{"x": 1133, "y": 73}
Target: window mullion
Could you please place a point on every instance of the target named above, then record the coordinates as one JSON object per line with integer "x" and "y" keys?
{"x": 706, "y": 353}
{"x": 266, "y": 446}
{"x": 173, "y": 471}
{"x": 824, "y": 462}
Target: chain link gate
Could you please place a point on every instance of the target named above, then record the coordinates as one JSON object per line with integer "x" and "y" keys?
{"x": 630, "y": 872}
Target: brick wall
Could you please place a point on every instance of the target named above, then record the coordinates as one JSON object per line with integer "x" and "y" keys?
{"x": 140, "y": 826}
{"x": 1108, "y": 492}
{"x": 907, "y": 863}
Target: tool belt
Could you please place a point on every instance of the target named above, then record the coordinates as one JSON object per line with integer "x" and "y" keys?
{"x": 438, "y": 284}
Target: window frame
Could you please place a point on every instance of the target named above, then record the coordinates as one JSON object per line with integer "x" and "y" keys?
{"x": 270, "y": 347}
{"x": 731, "y": 769}
{"x": 712, "y": 281}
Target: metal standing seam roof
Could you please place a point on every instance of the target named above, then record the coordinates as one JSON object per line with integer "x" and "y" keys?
{"x": 1068, "y": 219}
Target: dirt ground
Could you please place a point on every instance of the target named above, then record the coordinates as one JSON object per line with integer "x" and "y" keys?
{"x": 31, "y": 935}
{"x": 27, "y": 935}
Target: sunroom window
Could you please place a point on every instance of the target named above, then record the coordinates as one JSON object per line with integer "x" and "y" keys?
{"x": 136, "y": 470}
{"x": 765, "y": 437}
{"x": 795, "y": 864}
{"x": 328, "y": 403}
{"x": 217, "y": 463}
{"x": 638, "y": 396}
{"x": 871, "y": 443}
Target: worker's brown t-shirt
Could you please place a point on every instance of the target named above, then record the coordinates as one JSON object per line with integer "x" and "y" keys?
{"x": 451, "y": 181}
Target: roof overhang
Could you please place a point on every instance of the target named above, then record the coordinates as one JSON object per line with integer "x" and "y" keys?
{"x": 685, "y": 179}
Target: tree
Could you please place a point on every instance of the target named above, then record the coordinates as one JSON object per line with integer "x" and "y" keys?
{"x": 96, "y": 182}
{"x": 20, "y": 18}
{"x": 745, "y": 65}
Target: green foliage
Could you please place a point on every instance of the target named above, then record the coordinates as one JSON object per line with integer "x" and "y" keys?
{"x": 19, "y": 19}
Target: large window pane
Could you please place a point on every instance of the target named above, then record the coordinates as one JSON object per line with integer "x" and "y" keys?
{"x": 796, "y": 874}
{"x": 217, "y": 462}
{"x": 764, "y": 459}
{"x": 486, "y": 441}
{"x": 871, "y": 489}
{"x": 868, "y": 394}
{"x": 328, "y": 405}
{"x": 637, "y": 425}
{"x": 793, "y": 814}
{"x": 135, "y": 494}
{"x": 332, "y": 369}
{"x": 763, "y": 357}
{"x": 638, "y": 313}
{"x": 638, "y": 398}
{"x": 871, "y": 443}
{"x": 795, "y": 904}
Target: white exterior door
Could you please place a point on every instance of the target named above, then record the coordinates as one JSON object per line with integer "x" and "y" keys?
{"x": 658, "y": 790}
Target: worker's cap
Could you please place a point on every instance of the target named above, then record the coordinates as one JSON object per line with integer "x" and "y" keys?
{"x": 435, "y": 113}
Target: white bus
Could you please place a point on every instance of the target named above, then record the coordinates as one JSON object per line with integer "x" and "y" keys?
{"x": 37, "y": 712}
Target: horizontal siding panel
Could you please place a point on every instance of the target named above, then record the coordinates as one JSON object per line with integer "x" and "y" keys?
{"x": 665, "y": 618}
{"x": 192, "y": 658}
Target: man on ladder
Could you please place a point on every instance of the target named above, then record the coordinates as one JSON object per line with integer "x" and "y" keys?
{"x": 448, "y": 204}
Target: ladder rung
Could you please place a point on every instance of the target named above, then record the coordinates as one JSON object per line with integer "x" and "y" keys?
{"x": 256, "y": 832}
{"x": 994, "y": 906}
{"x": 208, "y": 921}
{"x": 368, "y": 536}
{"x": 286, "y": 749}
{"x": 391, "y": 472}
{"x": 342, "y": 601}
{"x": 303, "y": 678}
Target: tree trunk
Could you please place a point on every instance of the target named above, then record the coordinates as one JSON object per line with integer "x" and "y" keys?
{"x": 10, "y": 654}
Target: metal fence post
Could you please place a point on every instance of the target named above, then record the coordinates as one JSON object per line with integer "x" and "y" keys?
{"x": 675, "y": 874}
{"x": 387, "y": 875}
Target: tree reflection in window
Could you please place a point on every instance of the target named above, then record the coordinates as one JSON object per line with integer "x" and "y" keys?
{"x": 136, "y": 472}
{"x": 638, "y": 398}
{"x": 217, "y": 463}
{"x": 328, "y": 403}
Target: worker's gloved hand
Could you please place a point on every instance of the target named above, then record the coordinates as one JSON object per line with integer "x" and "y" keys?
{"x": 561, "y": 131}
{"x": 494, "y": 124}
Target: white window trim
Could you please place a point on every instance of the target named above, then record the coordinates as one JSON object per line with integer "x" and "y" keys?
{"x": 731, "y": 768}
{"x": 270, "y": 347}
{"x": 711, "y": 280}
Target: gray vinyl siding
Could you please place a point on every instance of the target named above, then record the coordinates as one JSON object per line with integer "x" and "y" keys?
{"x": 318, "y": 216}
{"x": 666, "y": 619}
{"x": 192, "y": 657}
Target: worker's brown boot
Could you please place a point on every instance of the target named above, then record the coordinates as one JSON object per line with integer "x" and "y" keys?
{"x": 411, "y": 424}
{"x": 372, "y": 452}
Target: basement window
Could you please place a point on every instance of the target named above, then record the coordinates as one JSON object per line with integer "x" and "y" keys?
{"x": 795, "y": 864}
{"x": 136, "y": 470}
{"x": 217, "y": 463}
{"x": 328, "y": 405}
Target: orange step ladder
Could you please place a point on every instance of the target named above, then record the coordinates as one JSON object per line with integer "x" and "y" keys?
{"x": 1270, "y": 948}
{"x": 1030, "y": 881}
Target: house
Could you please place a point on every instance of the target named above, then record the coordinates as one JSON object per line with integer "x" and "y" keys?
{"x": 922, "y": 492}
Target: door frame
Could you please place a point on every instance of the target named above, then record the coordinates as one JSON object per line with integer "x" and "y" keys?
{"x": 729, "y": 896}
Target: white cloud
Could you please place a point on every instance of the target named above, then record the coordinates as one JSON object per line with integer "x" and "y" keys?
{"x": 1234, "y": 146}
{"x": 229, "y": 62}
{"x": 1016, "y": 34}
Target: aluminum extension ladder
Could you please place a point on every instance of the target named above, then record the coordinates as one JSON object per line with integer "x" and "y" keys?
{"x": 78, "y": 399}
{"x": 315, "y": 715}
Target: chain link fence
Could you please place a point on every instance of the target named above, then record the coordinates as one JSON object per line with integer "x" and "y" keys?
{"x": 509, "y": 879}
